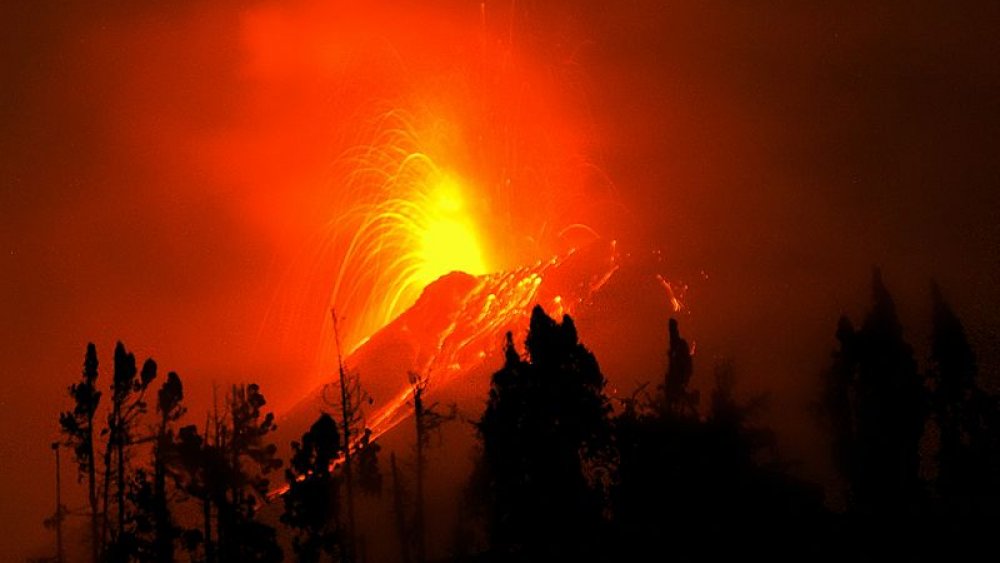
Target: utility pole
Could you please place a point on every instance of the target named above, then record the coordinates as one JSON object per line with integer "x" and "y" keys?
{"x": 59, "y": 506}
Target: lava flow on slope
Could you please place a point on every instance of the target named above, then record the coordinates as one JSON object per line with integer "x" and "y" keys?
{"x": 456, "y": 328}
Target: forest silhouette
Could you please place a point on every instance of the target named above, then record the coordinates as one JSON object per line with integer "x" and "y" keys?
{"x": 562, "y": 471}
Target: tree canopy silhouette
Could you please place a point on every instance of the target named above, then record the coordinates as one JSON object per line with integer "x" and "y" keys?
{"x": 250, "y": 458}
{"x": 312, "y": 502}
{"x": 78, "y": 427}
{"x": 546, "y": 438}
{"x": 918, "y": 452}
{"x": 966, "y": 505}
{"x": 705, "y": 487}
{"x": 877, "y": 405}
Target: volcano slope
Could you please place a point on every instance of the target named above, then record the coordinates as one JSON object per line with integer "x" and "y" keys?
{"x": 453, "y": 337}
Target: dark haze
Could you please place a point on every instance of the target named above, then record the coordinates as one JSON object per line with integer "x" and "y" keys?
{"x": 766, "y": 155}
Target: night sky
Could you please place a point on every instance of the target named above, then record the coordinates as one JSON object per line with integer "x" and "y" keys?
{"x": 164, "y": 169}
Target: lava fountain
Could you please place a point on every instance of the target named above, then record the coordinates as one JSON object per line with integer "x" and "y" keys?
{"x": 463, "y": 199}
{"x": 415, "y": 283}
{"x": 410, "y": 222}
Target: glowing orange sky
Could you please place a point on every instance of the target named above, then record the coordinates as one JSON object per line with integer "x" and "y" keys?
{"x": 170, "y": 172}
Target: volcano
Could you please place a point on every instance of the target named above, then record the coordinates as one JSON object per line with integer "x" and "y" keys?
{"x": 453, "y": 335}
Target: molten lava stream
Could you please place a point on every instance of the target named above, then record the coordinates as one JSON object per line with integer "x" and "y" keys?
{"x": 458, "y": 322}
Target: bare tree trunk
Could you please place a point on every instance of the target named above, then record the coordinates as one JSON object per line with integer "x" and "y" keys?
{"x": 348, "y": 470}
{"x": 227, "y": 512}
{"x": 163, "y": 540}
{"x": 115, "y": 444}
{"x": 121, "y": 483}
{"x": 106, "y": 495}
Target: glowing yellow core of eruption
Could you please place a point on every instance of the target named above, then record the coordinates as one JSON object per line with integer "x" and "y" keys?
{"x": 448, "y": 241}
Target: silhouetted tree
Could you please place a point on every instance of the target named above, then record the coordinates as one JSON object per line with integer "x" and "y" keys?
{"x": 226, "y": 468}
{"x": 149, "y": 531}
{"x": 170, "y": 410}
{"x": 710, "y": 486}
{"x": 78, "y": 427}
{"x": 967, "y": 418}
{"x": 547, "y": 447}
{"x": 312, "y": 500}
{"x": 839, "y": 401}
{"x": 128, "y": 403}
{"x": 200, "y": 470}
{"x": 891, "y": 410}
{"x": 350, "y": 401}
{"x": 954, "y": 399}
{"x": 677, "y": 398}
{"x": 249, "y": 460}
{"x": 876, "y": 406}
{"x": 136, "y": 542}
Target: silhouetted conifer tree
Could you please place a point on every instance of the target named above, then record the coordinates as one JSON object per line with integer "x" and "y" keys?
{"x": 170, "y": 410}
{"x": 78, "y": 427}
{"x": 249, "y": 460}
{"x": 954, "y": 397}
{"x": 839, "y": 402}
{"x": 128, "y": 403}
{"x": 876, "y": 405}
{"x": 891, "y": 410}
{"x": 149, "y": 531}
{"x": 225, "y": 468}
{"x": 350, "y": 401}
{"x": 312, "y": 501}
{"x": 137, "y": 542}
{"x": 701, "y": 488}
{"x": 200, "y": 470}
{"x": 547, "y": 446}
{"x": 968, "y": 420}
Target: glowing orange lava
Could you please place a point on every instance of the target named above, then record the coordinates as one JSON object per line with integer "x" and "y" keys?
{"x": 414, "y": 224}
{"x": 410, "y": 223}
{"x": 457, "y": 149}
{"x": 458, "y": 322}
{"x": 494, "y": 305}
{"x": 448, "y": 241}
